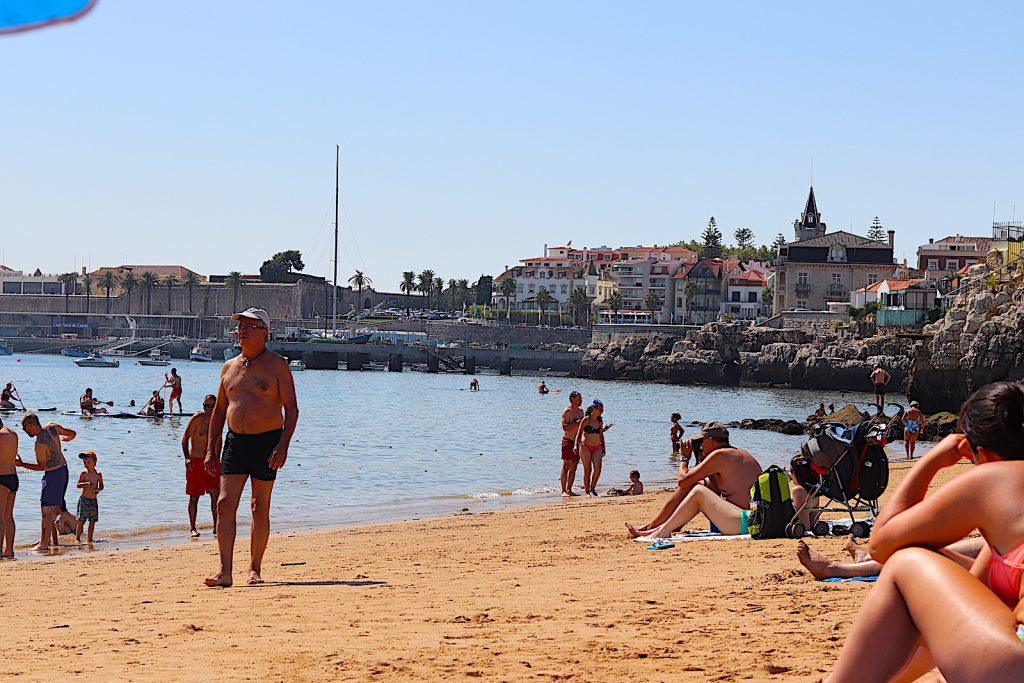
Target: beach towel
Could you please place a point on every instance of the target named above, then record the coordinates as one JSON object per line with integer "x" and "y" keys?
{"x": 851, "y": 579}
{"x": 703, "y": 536}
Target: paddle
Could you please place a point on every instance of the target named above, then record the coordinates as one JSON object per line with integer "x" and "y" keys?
{"x": 17, "y": 395}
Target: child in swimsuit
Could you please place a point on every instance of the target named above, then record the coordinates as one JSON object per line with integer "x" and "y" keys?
{"x": 90, "y": 483}
{"x": 675, "y": 432}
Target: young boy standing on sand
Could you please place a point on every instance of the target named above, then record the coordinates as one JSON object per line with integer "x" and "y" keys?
{"x": 90, "y": 482}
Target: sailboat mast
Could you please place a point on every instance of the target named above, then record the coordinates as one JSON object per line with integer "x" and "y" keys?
{"x": 334, "y": 308}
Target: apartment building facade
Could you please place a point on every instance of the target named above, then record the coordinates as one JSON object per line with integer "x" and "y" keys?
{"x": 943, "y": 258}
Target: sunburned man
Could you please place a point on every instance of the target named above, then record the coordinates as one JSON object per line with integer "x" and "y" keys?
{"x": 571, "y": 418}
{"x": 199, "y": 482}
{"x": 174, "y": 382}
{"x": 50, "y": 461}
{"x": 256, "y": 399}
{"x": 718, "y": 487}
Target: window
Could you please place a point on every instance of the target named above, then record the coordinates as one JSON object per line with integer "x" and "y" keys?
{"x": 752, "y": 297}
{"x": 564, "y": 289}
{"x": 952, "y": 264}
{"x": 735, "y": 296}
{"x": 801, "y": 304}
{"x": 801, "y": 278}
{"x": 837, "y": 279}
{"x": 519, "y": 289}
{"x": 933, "y": 264}
{"x": 872, "y": 278}
{"x": 590, "y": 291}
{"x": 679, "y": 302}
{"x": 12, "y": 288}
{"x": 33, "y": 288}
{"x": 532, "y": 287}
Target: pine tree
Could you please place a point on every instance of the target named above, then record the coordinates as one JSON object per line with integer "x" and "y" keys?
{"x": 744, "y": 238}
{"x": 877, "y": 232}
{"x": 780, "y": 241}
{"x": 712, "y": 238}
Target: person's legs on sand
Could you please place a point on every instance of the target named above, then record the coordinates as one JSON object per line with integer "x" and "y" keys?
{"x": 821, "y": 567}
{"x": 193, "y": 510}
{"x": 261, "y": 491}
{"x": 595, "y": 461}
{"x": 585, "y": 457}
{"x": 723, "y": 514}
{"x": 6, "y": 520}
{"x": 231, "y": 487}
{"x": 663, "y": 514}
{"x": 925, "y": 596}
{"x": 563, "y": 478}
{"x": 47, "y": 528}
{"x": 214, "y": 493}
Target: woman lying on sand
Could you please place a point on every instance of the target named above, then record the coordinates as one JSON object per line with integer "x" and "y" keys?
{"x": 934, "y": 608}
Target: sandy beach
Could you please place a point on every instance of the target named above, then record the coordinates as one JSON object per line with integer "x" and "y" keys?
{"x": 555, "y": 592}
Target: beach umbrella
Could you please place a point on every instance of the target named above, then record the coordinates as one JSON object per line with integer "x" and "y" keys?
{"x": 25, "y": 15}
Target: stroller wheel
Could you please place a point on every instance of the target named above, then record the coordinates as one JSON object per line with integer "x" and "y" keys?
{"x": 795, "y": 530}
{"x": 820, "y": 528}
{"x": 860, "y": 530}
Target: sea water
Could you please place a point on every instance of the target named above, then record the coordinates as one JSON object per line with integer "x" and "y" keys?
{"x": 374, "y": 446}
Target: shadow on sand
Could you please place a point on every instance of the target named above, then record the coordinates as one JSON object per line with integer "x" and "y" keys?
{"x": 318, "y": 583}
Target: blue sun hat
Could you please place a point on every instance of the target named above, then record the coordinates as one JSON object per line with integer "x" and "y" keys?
{"x": 597, "y": 403}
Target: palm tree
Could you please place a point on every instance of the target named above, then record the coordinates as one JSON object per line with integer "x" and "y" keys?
{"x": 87, "y": 288}
{"x": 107, "y": 282}
{"x": 235, "y": 281}
{"x": 507, "y": 289}
{"x": 425, "y": 281}
{"x": 170, "y": 282}
{"x": 578, "y": 303}
{"x": 128, "y": 283}
{"x": 464, "y": 298}
{"x": 616, "y": 302}
{"x": 360, "y": 280}
{"x": 454, "y": 293}
{"x": 437, "y": 292}
{"x": 69, "y": 280}
{"x": 149, "y": 281}
{"x": 544, "y": 299}
{"x": 653, "y": 303}
{"x": 408, "y": 286}
{"x": 189, "y": 283}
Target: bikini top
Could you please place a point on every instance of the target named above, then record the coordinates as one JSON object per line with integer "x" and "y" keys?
{"x": 587, "y": 429}
{"x": 1004, "y": 574}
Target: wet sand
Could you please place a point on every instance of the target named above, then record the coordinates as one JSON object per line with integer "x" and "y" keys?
{"x": 548, "y": 593}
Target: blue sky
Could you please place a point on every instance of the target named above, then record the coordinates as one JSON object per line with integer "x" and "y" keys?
{"x": 473, "y": 133}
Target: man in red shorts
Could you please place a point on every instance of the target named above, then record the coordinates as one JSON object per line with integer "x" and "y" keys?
{"x": 571, "y": 418}
{"x": 174, "y": 382}
{"x": 199, "y": 482}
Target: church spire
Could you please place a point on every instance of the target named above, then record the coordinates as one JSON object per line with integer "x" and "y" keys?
{"x": 810, "y": 216}
{"x": 809, "y": 224}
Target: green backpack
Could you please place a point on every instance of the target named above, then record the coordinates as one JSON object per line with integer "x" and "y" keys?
{"x": 771, "y": 507}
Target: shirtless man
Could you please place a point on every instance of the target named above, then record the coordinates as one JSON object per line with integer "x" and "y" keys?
{"x": 571, "y": 418}
{"x": 199, "y": 482}
{"x": 174, "y": 382}
{"x": 256, "y": 398}
{"x": 6, "y": 396}
{"x": 8, "y": 490}
{"x": 155, "y": 406}
{"x": 718, "y": 486}
{"x": 50, "y": 461}
{"x": 89, "y": 405}
{"x": 880, "y": 380}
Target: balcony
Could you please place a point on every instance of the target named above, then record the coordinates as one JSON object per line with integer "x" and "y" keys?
{"x": 802, "y": 288}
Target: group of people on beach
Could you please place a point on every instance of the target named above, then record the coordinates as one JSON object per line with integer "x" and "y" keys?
{"x": 583, "y": 439}
{"x": 255, "y": 400}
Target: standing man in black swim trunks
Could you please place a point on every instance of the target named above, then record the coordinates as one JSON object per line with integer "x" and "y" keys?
{"x": 880, "y": 379}
{"x": 50, "y": 461}
{"x": 8, "y": 490}
{"x": 256, "y": 399}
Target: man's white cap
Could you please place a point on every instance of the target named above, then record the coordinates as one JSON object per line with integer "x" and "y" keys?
{"x": 255, "y": 314}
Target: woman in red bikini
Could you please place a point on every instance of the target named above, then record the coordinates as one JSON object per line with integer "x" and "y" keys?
{"x": 934, "y": 608}
{"x": 590, "y": 442}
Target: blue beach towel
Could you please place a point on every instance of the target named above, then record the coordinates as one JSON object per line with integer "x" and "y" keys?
{"x": 851, "y": 579}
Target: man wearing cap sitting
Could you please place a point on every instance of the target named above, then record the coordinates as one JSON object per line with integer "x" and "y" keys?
{"x": 256, "y": 398}
{"x": 718, "y": 486}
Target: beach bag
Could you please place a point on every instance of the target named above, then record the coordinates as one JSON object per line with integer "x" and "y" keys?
{"x": 771, "y": 507}
{"x": 873, "y": 475}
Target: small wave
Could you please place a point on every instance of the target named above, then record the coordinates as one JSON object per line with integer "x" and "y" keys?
{"x": 514, "y": 492}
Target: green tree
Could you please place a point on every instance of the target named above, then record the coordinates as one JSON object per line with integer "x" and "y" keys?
{"x": 360, "y": 280}
{"x": 425, "y": 285}
{"x": 877, "y": 231}
{"x": 235, "y": 281}
{"x": 87, "y": 288}
{"x": 693, "y": 245}
{"x": 544, "y": 299}
{"x": 653, "y": 303}
{"x": 465, "y": 293}
{"x": 170, "y": 282}
{"x": 147, "y": 283}
{"x": 190, "y": 282}
{"x": 107, "y": 282}
{"x": 779, "y": 242}
{"x": 616, "y": 302}
{"x": 281, "y": 266}
{"x": 744, "y": 238}
{"x": 408, "y": 286}
{"x": 712, "y": 241}
{"x": 507, "y": 288}
{"x": 767, "y": 298}
{"x": 437, "y": 292}
{"x": 69, "y": 280}
{"x": 129, "y": 283}
{"x": 578, "y": 303}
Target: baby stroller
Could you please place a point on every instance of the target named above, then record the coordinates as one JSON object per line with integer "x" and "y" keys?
{"x": 846, "y": 467}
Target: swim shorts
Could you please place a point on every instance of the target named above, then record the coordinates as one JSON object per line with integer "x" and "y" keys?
{"x": 198, "y": 481}
{"x": 10, "y": 481}
{"x": 567, "y": 453}
{"x": 55, "y": 483}
{"x": 175, "y": 393}
{"x": 879, "y": 388}
{"x": 912, "y": 427}
{"x": 744, "y": 529}
{"x": 250, "y": 454}
{"x": 88, "y": 509}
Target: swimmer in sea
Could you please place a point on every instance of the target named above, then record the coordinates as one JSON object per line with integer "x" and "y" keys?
{"x": 543, "y": 388}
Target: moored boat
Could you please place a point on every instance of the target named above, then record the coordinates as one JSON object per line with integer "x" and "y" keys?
{"x": 232, "y": 351}
{"x": 72, "y": 352}
{"x": 201, "y": 353}
{"x": 94, "y": 361}
{"x": 156, "y": 357}
{"x": 5, "y": 348}
{"x": 296, "y": 365}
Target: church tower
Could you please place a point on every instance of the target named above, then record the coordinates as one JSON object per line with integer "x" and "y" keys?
{"x": 809, "y": 224}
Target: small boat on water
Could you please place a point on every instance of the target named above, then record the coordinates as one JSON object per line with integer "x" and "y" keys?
{"x": 296, "y": 365}
{"x": 94, "y": 361}
{"x": 156, "y": 357}
{"x": 5, "y": 348}
{"x": 72, "y": 352}
{"x": 232, "y": 351}
{"x": 201, "y": 354}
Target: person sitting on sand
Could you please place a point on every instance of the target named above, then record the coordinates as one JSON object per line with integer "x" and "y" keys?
{"x": 90, "y": 483}
{"x": 718, "y": 487}
{"x": 934, "y": 609}
{"x": 635, "y": 488}
{"x": 861, "y": 564}
{"x": 675, "y": 432}
{"x": 155, "y": 406}
{"x": 913, "y": 420}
